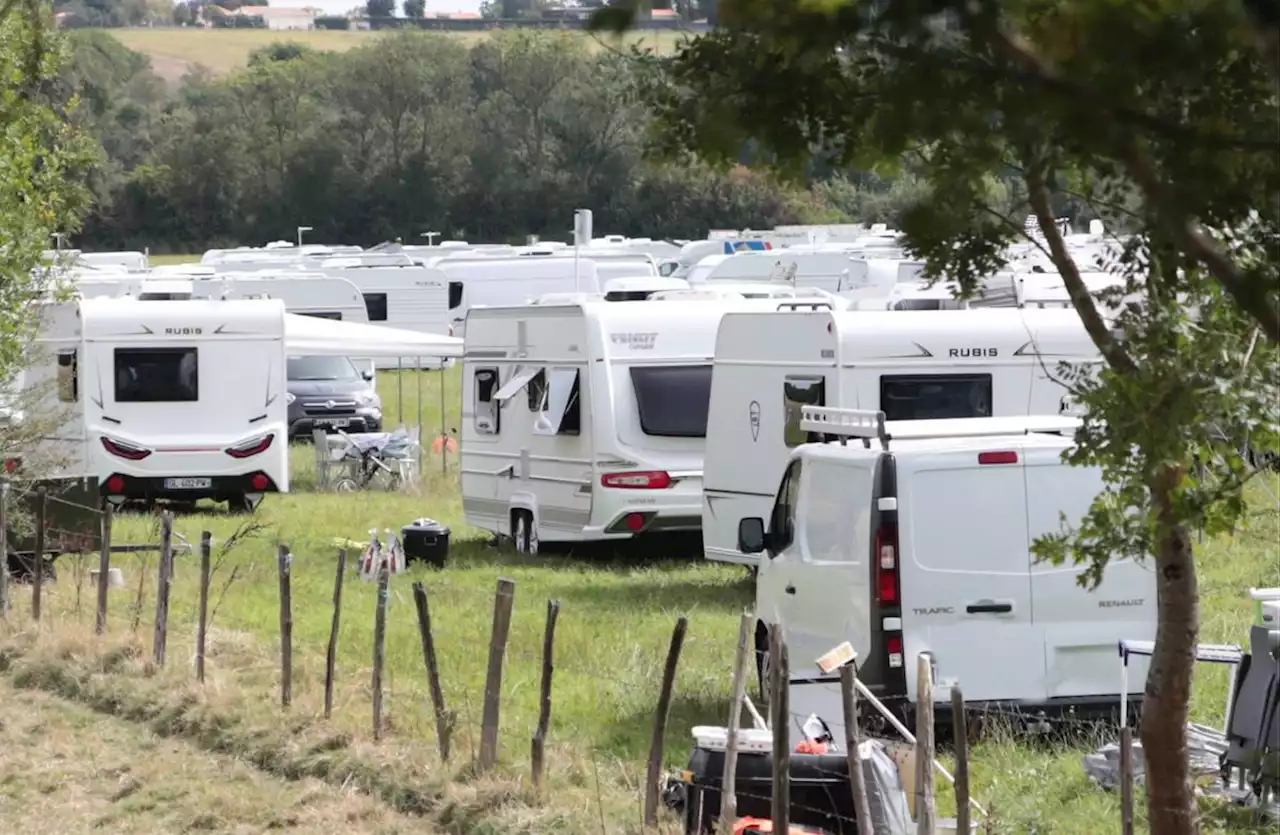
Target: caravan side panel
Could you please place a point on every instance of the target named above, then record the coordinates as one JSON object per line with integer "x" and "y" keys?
{"x": 766, "y": 365}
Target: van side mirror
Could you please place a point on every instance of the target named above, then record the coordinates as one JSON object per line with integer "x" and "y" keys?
{"x": 752, "y": 538}
{"x": 367, "y": 376}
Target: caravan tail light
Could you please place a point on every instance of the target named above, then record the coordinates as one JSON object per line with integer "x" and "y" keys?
{"x": 887, "y": 590}
{"x": 1009, "y": 457}
{"x": 122, "y": 450}
{"x": 251, "y": 447}
{"x": 649, "y": 480}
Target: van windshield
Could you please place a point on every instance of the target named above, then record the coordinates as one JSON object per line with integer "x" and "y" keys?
{"x": 322, "y": 368}
{"x": 673, "y": 399}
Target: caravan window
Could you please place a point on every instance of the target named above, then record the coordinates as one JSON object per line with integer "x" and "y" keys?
{"x": 488, "y": 414}
{"x": 376, "y": 305}
{"x": 68, "y": 373}
{"x": 673, "y": 399}
{"x": 560, "y": 411}
{"x": 798, "y": 392}
{"x": 455, "y": 294}
{"x": 156, "y": 375}
{"x": 935, "y": 396}
{"x": 324, "y": 314}
{"x": 537, "y": 392}
{"x": 782, "y": 524}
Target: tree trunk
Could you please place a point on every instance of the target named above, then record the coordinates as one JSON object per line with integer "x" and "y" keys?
{"x": 1171, "y": 803}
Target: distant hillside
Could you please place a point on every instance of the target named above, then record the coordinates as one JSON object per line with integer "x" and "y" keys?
{"x": 175, "y": 51}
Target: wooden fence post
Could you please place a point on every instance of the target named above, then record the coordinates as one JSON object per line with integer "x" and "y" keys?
{"x": 503, "y": 602}
{"x": 4, "y": 549}
{"x": 104, "y": 571}
{"x": 653, "y": 773}
{"x": 1126, "y": 780}
{"x": 164, "y": 578}
{"x": 331, "y": 656}
{"x": 729, "y": 782}
{"x": 780, "y": 715}
{"x": 284, "y": 560}
{"x": 538, "y": 747}
{"x": 380, "y": 646}
{"x": 444, "y": 716}
{"x": 960, "y": 731}
{"x": 857, "y": 777}
{"x": 37, "y": 566}
{"x": 925, "y": 811}
{"x": 206, "y": 570}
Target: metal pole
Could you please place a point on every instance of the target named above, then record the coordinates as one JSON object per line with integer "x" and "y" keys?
{"x": 400, "y": 390}
{"x": 417, "y": 367}
{"x": 444, "y": 435}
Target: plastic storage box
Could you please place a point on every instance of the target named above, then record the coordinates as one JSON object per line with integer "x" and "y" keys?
{"x": 426, "y": 540}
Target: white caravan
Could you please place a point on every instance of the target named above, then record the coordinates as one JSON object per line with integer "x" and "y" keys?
{"x": 501, "y": 281}
{"x": 133, "y": 262}
{"x": 586, "y": 421}
{"x": 179, "y": 400}
{"x": 916, "y": 537}
{"x": 914, "y": 365}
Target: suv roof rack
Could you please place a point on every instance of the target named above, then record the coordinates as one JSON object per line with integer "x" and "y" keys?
{"x": 869, "y": 424}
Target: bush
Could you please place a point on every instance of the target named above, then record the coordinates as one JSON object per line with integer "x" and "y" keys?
{"x": 336, "y": 22}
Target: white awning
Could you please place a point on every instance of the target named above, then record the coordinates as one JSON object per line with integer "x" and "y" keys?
{"x": 312, "y": 336}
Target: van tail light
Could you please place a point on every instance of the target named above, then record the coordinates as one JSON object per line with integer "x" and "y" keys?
{"x": 11, "y": 465}
{"x": 1009, "y": 457}
{"x": 122, "y": 450}
{"x": 647, "y": 480}
{"x": 893, "y": 648}
{"x": 251, "y": 447}
{"x": 888, "y": 591}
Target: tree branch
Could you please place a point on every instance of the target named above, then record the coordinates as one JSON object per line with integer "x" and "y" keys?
{"x": 1112, "y": 351}
{"x": 1178, "y": 223}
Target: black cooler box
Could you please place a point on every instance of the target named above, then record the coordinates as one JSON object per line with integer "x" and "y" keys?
{"x": 426, "y": 540}
{"x": 820, "y": 793}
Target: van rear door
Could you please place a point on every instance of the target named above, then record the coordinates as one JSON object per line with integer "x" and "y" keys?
{"x": 965, "y": 572}
{"x": 1081, "y": 628}
{"x": 830, "y": 576}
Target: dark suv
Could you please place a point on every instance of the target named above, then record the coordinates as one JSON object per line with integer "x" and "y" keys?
{"x": 331, "y": 393}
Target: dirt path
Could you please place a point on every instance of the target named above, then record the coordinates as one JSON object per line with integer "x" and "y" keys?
{"x": 68, "y": 770}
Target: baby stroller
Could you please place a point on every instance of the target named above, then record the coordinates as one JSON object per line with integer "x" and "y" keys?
{"x": 380, "y": 459}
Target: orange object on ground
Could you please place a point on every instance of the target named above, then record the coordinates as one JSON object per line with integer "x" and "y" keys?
{"x": 764, "y": 826}
{"x": 810, "y": 747}
{"x": 442, "y": 443}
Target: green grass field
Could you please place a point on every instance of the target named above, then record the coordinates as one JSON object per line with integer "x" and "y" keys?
{"x": 174, "y": 51}
{"x": 615, "y": 625}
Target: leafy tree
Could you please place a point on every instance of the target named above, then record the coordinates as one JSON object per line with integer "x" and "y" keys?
{"x": 1160, "y": 117}
{"x": 415, "y": 9}
{"x": 380, "y": 8}
{"x": 42, "y": 160}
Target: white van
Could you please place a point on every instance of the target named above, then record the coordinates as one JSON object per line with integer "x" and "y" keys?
{"x": 913, "y": 365}
{"x": 917, "y": 538}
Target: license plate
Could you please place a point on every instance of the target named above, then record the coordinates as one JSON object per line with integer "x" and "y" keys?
{"x": 334, "y": 422}
{"x": 188, "y": 483}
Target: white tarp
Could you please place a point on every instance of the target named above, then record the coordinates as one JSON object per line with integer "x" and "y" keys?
{"x": 312, "y": 336}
